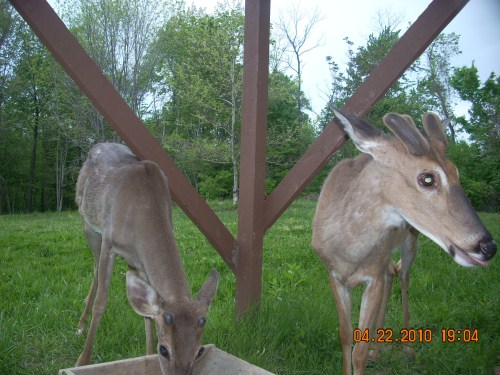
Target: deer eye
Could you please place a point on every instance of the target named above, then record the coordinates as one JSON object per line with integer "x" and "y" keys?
{"x": 200, "y": 352}
{"x": 164, "y": 352}
{"x": 202, "y": 321}
{"x": 426, "y": 180}
{"x": 168, "y": 318}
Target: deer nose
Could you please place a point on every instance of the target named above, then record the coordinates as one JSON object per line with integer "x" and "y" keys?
{"x": 488, "y": 248}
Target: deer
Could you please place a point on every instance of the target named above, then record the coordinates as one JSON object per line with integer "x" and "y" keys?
{"x": 126, "y": 209}
{"x": 371, "y": 205}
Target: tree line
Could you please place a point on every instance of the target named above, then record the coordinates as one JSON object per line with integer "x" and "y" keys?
{"x": 180, "y": 69}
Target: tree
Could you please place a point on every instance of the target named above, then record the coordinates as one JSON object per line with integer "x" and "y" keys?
{"x": 287, "y": 137}
{"x": 483, "y": 125}
{"x": 435, "y": 64}
{"x": 474, "y": 172}
{"x": 401, "y": 97}
{"x": 118, "y": 36}
{"x": 8, "y": 59}
{"x": 201, "y": 66}
{"x": 30, "y": 89}
{"x": 296, "y": 27}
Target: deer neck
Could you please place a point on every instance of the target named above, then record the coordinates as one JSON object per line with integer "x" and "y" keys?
{"x": 164, "y": 270}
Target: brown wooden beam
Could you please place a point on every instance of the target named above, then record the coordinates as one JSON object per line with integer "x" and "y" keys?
{"x": 411, "y": 45}
{"x": 253, "y": 154}
{"x": 82, "y": 69}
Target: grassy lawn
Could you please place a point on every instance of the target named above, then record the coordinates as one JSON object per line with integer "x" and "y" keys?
{"x": 46, "y": 269}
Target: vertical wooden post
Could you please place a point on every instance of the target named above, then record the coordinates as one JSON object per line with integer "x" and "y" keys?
{"x": 251, "y": 213}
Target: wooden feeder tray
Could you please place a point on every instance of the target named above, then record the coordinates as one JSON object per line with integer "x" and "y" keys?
{"x": 214, "y": 362}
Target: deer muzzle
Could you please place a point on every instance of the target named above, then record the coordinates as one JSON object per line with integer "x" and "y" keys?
{"x": 488, "y": 248}
{"x": 484, "y": 251}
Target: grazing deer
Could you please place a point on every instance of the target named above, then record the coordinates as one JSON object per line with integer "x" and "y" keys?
{"x": 126, "y": 208}
{"x": 377, "y": 202}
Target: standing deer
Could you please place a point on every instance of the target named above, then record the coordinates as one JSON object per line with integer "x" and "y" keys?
{"x": 376, "y": 202}
{"x": 126, "y": 208}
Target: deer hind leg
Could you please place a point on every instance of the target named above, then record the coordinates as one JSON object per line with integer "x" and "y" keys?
{"x": 343, "y": 301}
{"x": 94, "y": 240}
{"x": 105, "y": 269}
{"x": 379, "y": 323}
{"x": 370, "y": 307}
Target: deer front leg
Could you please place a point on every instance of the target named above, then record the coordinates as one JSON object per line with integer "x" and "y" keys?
{"x": 343, "y": 302}
{"x": 408, "y": 253}
{"x": 370, "y": 307}
{"x": 379, "y": 323}
{"x": 106, "y": 263}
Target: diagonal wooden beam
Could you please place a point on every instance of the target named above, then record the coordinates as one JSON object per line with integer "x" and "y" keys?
{"x": 81, "y": 68}
{"x": 411, "y": 45}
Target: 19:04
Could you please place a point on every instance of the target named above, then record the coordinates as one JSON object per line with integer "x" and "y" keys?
{"x": 461, "y": 335}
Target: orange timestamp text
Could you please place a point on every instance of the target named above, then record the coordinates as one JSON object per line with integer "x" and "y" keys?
{"x": 412, "y": 335}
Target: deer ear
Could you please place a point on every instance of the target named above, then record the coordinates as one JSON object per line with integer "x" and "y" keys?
{"x": 405, "y": 130}
{"x": 366, "y": 137}
{"x": 142, "y": 296}
{"x": 208, "y": 290}
{"x": 435, "y": 130}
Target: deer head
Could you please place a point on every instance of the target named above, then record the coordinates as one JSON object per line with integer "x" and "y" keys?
{"x": 179, "y": 324}
{"x": 422, "y": 185}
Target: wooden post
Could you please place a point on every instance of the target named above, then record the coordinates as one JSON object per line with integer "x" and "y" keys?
{"x": 253, "y": 155}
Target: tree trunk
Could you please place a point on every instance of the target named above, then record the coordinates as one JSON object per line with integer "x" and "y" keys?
{"x": 299, "y": 78}
{"x": 61, "y": 155}
{"x": 29, "y": 203}
{"x": 234, "y": 155}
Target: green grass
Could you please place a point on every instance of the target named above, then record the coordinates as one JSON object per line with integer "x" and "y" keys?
{"x": 45, "y": 273}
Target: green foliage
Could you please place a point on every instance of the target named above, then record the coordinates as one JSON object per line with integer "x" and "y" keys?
{"x": 46, "y": 270}
{"x": 216, "y": 186}
{"x": 400, "y": 98}
{"x": 485, "y": 106}
{"x": 474, "y": 172}
{"x": 483, "y": 128}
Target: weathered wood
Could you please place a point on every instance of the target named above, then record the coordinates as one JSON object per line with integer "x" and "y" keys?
{"x": 253, "y": 154}
{"x": 214, "y": 362}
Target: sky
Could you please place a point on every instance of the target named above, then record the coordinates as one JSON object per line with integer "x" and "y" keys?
{"x": 478, "y": 25}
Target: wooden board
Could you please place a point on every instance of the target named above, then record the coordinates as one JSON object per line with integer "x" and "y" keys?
{"x": 214, "y": 362}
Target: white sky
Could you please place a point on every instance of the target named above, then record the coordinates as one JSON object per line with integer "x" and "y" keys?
{"x": 478, "y": 25}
